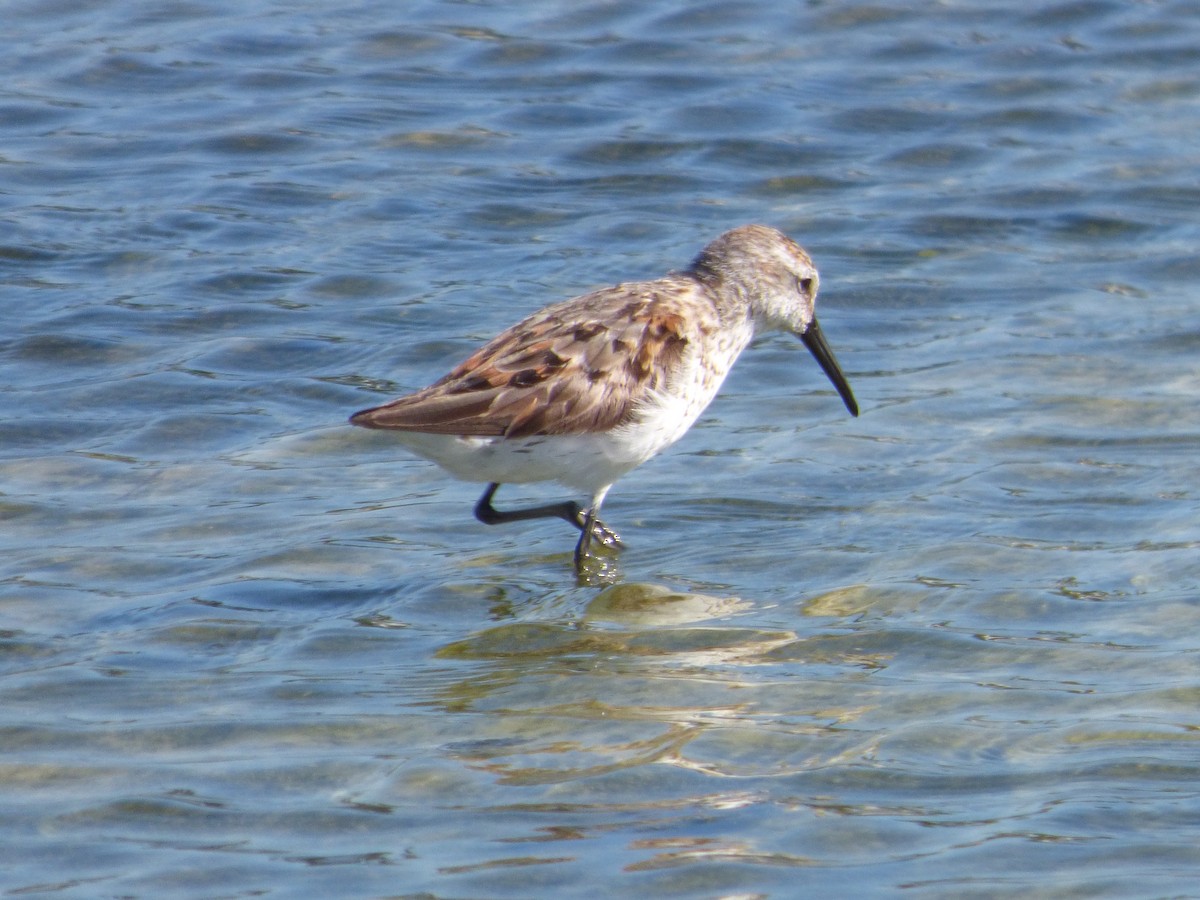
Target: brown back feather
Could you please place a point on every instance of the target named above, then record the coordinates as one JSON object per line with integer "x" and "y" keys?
{"x": 577, "y": 367}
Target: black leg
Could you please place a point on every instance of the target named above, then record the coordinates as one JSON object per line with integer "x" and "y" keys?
{"x": 489, "y": 515}
{"x": 585, "y": 520}
{"x": 586, "y": 532}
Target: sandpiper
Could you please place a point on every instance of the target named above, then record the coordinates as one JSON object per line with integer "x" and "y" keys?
{"x": 586, "y": 390}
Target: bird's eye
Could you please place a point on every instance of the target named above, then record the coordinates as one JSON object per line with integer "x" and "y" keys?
{"x": 805, "y": 285}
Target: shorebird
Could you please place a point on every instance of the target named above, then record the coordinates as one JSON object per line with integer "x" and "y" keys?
{"x": 586, "y": 390}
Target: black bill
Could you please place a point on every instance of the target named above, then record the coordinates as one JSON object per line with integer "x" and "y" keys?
{"x": 814, "y": 340}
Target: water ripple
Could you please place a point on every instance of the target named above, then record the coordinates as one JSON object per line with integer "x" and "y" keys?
{"x": 945, "y": 647}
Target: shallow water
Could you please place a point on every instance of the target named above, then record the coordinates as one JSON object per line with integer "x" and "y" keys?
{"x": 948, "y": 648}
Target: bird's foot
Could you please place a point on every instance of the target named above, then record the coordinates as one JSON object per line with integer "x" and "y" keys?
{"x": 597, "y": 546}
{"x": 605, "y": 536}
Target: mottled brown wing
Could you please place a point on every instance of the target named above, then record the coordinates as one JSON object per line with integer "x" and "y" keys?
{"x": 577, "y": 367}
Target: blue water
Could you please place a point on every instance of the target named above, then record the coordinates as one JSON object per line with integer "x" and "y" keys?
{"x": 946, "y": 649}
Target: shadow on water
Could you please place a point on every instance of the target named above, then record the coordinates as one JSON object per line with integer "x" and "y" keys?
{"x": 639, "y": 680}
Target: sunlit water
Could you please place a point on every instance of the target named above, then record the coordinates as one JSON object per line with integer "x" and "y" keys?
{"x": 946, "y": 649}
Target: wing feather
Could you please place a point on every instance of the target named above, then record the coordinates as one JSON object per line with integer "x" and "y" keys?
{"x": 580, "y": 366}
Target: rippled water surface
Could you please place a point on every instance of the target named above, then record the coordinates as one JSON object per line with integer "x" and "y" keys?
{"x": 948, "y": 649}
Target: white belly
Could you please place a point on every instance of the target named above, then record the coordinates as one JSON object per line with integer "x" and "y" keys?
{"x": 584, "y": 462}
